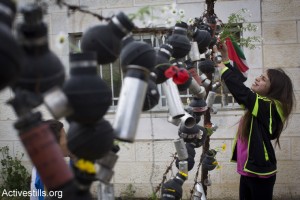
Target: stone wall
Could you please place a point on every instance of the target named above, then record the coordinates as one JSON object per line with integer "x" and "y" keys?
{"x": 143, "y": 162}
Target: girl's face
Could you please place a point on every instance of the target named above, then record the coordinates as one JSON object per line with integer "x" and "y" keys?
{"x": 261, "y": 85}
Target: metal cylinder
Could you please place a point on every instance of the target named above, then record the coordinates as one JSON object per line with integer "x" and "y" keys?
{"x": 106, "y": 192}
{"x": 213, "y": 110}
{"x": 197, "y": 90}
{"x": 188, "y": 120}
{"x": 210, "y": 99}
{"x": 199, "y": 192}
{"x": 181, "y": 149}
{"x": 104, "y": 174}
{"x": 173, "y": 98}
{"x": 176, "y": 121}
{"x": 194, "y": 53}
{"x": 215, "y": 86}
{"x": 131, "y": 101}
{"x": 206, "y": 82}
{"x": 57, "y": 103}
{"x": 217, "y": 57}
{"x": 109, "y": 160}
{"x": 106, "y": 164}
{"x": 203, "y": 77}
{"x": 183, "y": 166}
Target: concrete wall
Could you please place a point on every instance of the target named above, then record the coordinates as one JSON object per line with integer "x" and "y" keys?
{"x": 144, "y": 162}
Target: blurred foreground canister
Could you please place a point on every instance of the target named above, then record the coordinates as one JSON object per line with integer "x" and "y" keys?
{"x": 47, "y": 157}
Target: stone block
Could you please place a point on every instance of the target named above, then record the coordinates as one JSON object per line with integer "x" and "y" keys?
{"x": 127, "y": 152}
{"x": 254, "y": 58}
{"x": 293, "y": 73}
{"x": 7, "y": 131}
{"x": 80, "y": 22}
{"x": 281, "y": 55}
{"x": 253, "y": 6}
{"x": 198, "y": 154}
{"x": 156, "y": 126}
{"x": 97, "y": 4}
{"x": 227, "y": 125}
{"x": 138, "y": 190}
{"x": 54, "y": 8}
{"x": 159, "y": 169}
{"x": 144, "y": 151}
{"x": 189, "y": 11}
{"x": 213, "y": 175}
{"x": 223, "y": 191}
{"x": 276, "y": 32}
{"x": 297, "y": 95}
{"x": 295, "y": 148}
{"x": 151, "y": 2}
{"x": 6, "y": 111}
{"x": 58, "y": 23}
{"x": 132, "y": 172}
{"x": 93, "y": 4}
{"x": 280, "y": 190}
{"x": 229, "y": 174}
{"x": 221, "y": 155}
{"x": 292, "y": 128}
{"x": 298, "y": 29}
{"x": 119, "y": 3}
{"x": 257, "y": 33}
{"x": 280, "y": 10}
{"x": 19, "y": 150}
{"x": 288, "y": 172}
{"x": 164, "y": 150}
{"x": 22, "y": 3}
{"x": 296, "y": 9}
{"x": 127, "y": 10}
{"x": 284, "y": 153}
{"x": 294, "y": 191}
{"x": 59, "y": 49}
{"x": 190, "y": 1}
{"x": 285, "y": 191}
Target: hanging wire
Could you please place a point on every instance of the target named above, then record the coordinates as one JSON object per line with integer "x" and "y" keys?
{"x": 196, "y": 177}
{"x": 166, "y": 172}
{"x": 73, "y": 8}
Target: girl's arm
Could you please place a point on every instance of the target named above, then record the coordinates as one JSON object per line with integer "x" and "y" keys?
{"x": 242, "y": 94}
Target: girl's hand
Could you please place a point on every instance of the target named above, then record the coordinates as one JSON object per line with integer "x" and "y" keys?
{"x": 222, "y": 48}
{"x": 217, "y": 53}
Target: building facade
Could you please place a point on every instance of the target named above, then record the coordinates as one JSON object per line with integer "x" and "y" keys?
{"x": 143, "y": 163}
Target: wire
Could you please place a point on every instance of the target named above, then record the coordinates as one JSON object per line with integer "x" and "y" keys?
{"x": 74, "y": 8}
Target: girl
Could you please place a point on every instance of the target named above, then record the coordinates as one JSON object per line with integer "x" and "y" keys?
{"x": 268, "y": 105}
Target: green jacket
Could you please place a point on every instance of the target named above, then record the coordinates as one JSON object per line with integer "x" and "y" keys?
{"x": 266, "y": 116}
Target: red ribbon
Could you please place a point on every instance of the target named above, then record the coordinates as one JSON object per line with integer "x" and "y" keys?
{"x": 179, "y": 75}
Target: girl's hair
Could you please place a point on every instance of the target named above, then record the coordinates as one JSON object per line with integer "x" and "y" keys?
{"x": 281, "y": 89}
